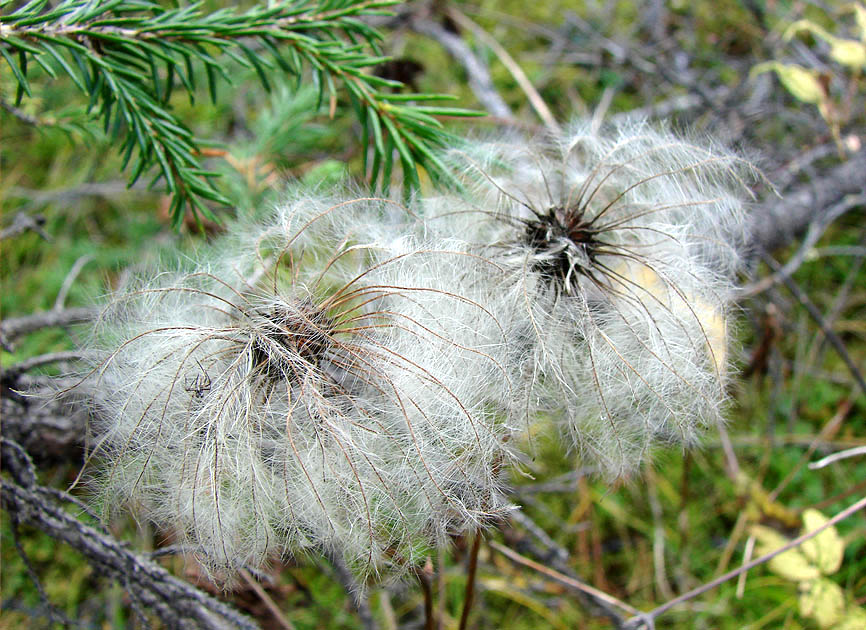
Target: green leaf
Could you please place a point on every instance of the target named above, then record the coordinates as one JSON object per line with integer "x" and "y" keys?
{"x": 373, "y": 117}
{"x": 66, "y": 67}
{"x": 402, "y": 149}
{"x": 114, "y": 55}
{"x": 19, "y": 93}
{"x": 449, "y": 111}
{"x": 802, "y": 83}
{"x": 399, "y": 98}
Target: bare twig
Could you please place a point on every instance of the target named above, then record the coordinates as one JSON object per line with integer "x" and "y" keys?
{"x": 816, "y": 229}
{"x": 441, "y": 596}
{"x": 563, "y": 579}
{"x": 51, "y": 611}
{"x": 43, "y": 359}
{"x": 23, "y": 222}
{"x": 835, "y": 457}
{"x": 513, "y": 67}
{"x": 554, "y": 556}
{"x": 659, "y": 570}
{"x": 177, "y": 603}
{"x": 69, "y": 279}
{"x": 74, "y": 193}
{"x": 816, "y": 315}
{"x": 747, "y": 556}
{"x": 788, "y": 173}
{"x": 476, "y": 71}
{"x": 269, "y": 603}
{"x": 828, "y": 431}
{"x": 731, "y": 463}
{"x": 20, "y": 114}
{"x": 46, "y": 427}
{"x": 16, "y": 326}
{"x": 350, "y": 584}
{"x": 424, "y": 574}
{"x": 601, "y": 108}
{"x": 777, "y": 222}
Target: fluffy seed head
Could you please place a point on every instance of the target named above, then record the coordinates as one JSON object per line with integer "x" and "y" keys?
{"x": 304, "y": 387}
{"x": 625, "y": 242}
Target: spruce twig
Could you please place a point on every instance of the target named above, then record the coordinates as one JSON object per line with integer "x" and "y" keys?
{"x": 129, "y": 56}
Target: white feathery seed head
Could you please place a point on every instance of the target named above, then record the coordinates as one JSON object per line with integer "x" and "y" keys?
{"x": 625, "y": 242}
{"x": 330, "y": 381}
{"x": 312, "y": 383}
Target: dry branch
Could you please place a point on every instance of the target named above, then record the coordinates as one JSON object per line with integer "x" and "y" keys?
{"x": 477, "y": 72}
{"x": 176, "y": 603}
{"x": 779, "y": 221}
{"x": 14, "y": 327}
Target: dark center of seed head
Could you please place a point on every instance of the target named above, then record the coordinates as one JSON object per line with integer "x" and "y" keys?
{"x": 291, "y": 335}
{"x": 564, "y": 243}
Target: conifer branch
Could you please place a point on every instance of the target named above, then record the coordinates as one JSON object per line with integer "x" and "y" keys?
{"x": 129, "y": 57}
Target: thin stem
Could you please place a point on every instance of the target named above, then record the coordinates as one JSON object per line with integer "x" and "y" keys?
{"x": 470, "y": 581}
{"x": 816, "y": 315}
{"x": 835, "y": 457}
{"x": 269, "y": 603}
{"x": 595, "y": 593}
{"x": 424, "y": 580}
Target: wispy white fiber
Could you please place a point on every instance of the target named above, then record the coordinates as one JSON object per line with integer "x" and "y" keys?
{"x": 309, "y": 384}
{"x": 332, "y": 380}
{"x": 625, "y": 243}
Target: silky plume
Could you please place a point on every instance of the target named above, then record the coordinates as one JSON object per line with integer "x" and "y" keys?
{"x": 308, "y": 384}
{"x": 624, "y": 244}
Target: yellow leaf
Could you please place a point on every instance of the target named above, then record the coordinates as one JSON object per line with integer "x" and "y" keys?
{"x": 823, "y": 601}
{"x": 855, "y": 619}
{"x": 792, "y": 564}
{"x": 802, "y": 83}
{"x": 769, "y": 538}
{"x": 826, "y": 549}
{"x": 848, "y": 52}
{"x": 845, "y": 51}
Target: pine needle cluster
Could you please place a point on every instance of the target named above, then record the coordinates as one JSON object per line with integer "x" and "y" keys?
{"x": 354, "y": 377}
{"x": 128, "y": 59}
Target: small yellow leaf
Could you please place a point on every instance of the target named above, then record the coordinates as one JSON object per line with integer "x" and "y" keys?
{"x": 767, "y": 537}
{"x": 823, "y": 601}
{"x": 826, "y": 549}
{"x": 848, "y": 52}
{"x": 845, "y": 51}
{"x": 854, "y": 619}
{"x": 802, "y": 83}
{"x": 791, "y": 565}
